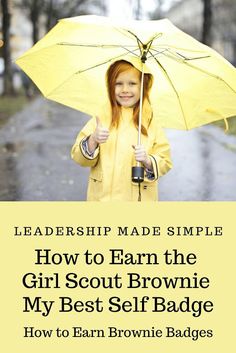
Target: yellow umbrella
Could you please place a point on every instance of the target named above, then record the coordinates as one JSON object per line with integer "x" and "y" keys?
{"x": 193, "y": 85}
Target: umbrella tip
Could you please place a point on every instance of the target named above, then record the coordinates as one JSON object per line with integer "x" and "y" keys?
{"x": 226, "y": 125}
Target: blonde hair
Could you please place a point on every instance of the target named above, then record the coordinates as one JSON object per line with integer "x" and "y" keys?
{"x": 112, "y": 73}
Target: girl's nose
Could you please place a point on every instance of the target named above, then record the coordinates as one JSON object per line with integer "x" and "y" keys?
{"x": 125, "y": 88}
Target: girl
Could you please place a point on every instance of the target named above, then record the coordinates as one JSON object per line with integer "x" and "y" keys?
{"x": 107, "y": 143}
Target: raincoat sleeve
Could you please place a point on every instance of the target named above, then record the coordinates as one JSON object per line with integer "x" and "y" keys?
{"x": 159, "y": 153}
{"x": 78, "y": 154}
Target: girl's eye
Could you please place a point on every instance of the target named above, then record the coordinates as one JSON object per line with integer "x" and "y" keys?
{"x": 118, "y": 83}
{"x": 133, "y": 83}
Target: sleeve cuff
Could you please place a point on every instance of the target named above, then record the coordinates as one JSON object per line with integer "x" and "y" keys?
{"x": 85, "y": 150}
{"x": 152, "y": 175}
{"x": 149, "y": 174}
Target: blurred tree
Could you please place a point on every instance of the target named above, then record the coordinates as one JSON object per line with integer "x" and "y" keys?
{"x": 207, "y": 22}
{"x": 161, "y": 8}
{"x": 8, "y": 87}
{"x": 227, "y": 18}
{"x": 158, "y": 14}
{"x": 224, "y": 26}
{"x": 52, "y": 10}
{"x": 34, "y": 9}
{"x": 137, "y": 11}
{"x": 55, "y": 10}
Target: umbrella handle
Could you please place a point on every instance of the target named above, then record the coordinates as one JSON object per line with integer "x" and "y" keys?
{"x": 140, "y": 107}
{"x": 137, "y": 174}
{"x": 138, "y": 170}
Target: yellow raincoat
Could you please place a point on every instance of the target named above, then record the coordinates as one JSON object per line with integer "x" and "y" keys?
{"x": 110, "y": 176}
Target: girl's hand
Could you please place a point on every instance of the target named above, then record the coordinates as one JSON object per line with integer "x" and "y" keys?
{"x": 100, "y": 135}
{"x": 142, "y": 156}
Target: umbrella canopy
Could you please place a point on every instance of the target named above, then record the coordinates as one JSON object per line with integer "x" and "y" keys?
{"x": 193, "y": 84}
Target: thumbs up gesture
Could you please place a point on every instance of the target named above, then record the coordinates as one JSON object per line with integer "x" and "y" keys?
{"x": 100, "y": 135}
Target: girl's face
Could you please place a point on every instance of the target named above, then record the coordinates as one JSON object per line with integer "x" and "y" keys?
{"x": 127, "y": 88}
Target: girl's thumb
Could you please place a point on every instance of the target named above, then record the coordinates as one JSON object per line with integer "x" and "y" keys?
{"x": 98, "y": 121}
